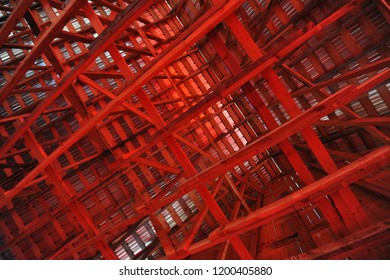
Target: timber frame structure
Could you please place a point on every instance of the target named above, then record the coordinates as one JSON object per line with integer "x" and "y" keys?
{"x": 185, "y": 129}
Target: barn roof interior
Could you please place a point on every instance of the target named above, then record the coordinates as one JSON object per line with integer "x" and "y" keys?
{"x": 185, "y": 129}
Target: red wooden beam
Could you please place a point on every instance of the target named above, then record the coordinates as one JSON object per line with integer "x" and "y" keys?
{"x": 17, "y": 13}
{"x": 372, "y": 67}
{"x": 347, "y": 111}
{"x": 190, "y": 235}
{"x": 365, "y": 239}
{"x": 374, "y": 121}
{"x": 84, "y": 79}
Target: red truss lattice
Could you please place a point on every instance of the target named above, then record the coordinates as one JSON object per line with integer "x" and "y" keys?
{"x": 194, "y": 129}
